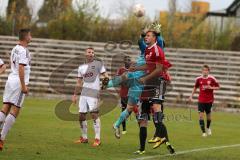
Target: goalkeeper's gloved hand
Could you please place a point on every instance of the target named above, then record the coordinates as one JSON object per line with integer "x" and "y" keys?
{"x": 105, "y": 81}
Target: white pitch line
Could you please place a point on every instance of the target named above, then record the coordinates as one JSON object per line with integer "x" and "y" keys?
{"x": 187, "y": 151}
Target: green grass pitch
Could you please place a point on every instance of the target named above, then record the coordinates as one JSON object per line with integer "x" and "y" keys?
{"x": 39, "y": 135}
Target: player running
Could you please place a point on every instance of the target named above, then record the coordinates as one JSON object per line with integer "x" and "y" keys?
{"x": 206, "y": 84}
{"x": 89, "y": 80}
{"x": 17, "y": 84}
{"x": 2, "y": 66}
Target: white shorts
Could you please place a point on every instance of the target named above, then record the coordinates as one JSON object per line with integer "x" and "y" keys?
{"x": 13, "y": 94}
{"x": 88, "y": 104}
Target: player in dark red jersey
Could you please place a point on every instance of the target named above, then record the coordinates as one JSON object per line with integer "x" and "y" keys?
{"x": 154, "y": 67}
{"x": 206, "y": 84}
{"x": 123, "y": 92}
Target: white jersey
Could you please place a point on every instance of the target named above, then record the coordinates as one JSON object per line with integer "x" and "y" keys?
{"x": 90, "y": 72}
{"x": 20, "y": 55}
{"x": 1, "y": 62}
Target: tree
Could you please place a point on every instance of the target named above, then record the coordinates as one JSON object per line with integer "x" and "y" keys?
{"x": 18, "y": 14}
{"x": 172, "y": 12}
{"x": 53, "y": 8}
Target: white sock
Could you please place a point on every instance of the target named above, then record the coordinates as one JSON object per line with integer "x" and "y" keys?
{"x": 97, "y": 128}
{"x": 2, "y": 119}
{"x": 83, "y": 126}
{"x": 9, "y": 121}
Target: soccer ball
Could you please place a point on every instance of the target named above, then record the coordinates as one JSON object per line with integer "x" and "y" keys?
{"x": 139, "y": 10}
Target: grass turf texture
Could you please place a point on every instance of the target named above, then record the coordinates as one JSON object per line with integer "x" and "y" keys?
{"x": 39, "y": 135}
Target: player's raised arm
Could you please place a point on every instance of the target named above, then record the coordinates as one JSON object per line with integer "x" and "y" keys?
{"x": 142, "y": 45}
{"x": 160, "y": 41}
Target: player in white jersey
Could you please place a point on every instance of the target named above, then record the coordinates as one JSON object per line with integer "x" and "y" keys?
{"x": 16, "y": 85}
{"x": 2, "y": 66}
{"x": 89, "y": 80}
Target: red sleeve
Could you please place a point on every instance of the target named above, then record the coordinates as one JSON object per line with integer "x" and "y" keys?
{"x": 160, "y": 57}
{"x": 197, "y": 83}
{"x": 119, "y": 72}
{"x": 215, "y": 83}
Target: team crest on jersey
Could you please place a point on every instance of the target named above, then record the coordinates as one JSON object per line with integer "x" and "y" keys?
{"x": 208, "y": 82}
{"x": 149, "y": 55}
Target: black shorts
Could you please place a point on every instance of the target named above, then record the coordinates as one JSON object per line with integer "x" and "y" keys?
{"x": 205, "y": 107}
{"x": 124, "y": 102}
{"x": 157, "y": 89}
{"x": 144, "y": 110}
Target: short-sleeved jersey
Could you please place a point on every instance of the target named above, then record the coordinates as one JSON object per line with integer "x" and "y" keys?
{"x": 20, "y": 56}
{"x": 124, "y": 89}
{"x": 90, "y": 72}
{"x": 206, "y": 95}
{"x": 1, "y": 63}
{"x": 154, "y": 55}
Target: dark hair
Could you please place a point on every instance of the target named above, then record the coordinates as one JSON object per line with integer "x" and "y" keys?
{"x": 22, "y": 33}
{"x": 126, "y": 57}
{"x": 206, "y": 66}
{"x": 153, "y": 32}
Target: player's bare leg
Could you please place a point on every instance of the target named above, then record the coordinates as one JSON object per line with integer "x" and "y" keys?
{"x": 3, "y": 114}
{"x": 209, "y": 120}
{"x": 202, "y": 124}
{"x": 83, "y": 126}
{"x": 97, "y": 128}
{"x": 9, "y": 121}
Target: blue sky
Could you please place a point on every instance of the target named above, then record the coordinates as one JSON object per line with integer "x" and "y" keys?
{"x": 109, "y": 7}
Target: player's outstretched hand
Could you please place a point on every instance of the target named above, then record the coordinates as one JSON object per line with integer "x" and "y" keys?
{"x": 105, "y": 81}
{"x": 132, "y": 69}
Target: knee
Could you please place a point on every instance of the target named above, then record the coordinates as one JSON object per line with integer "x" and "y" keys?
{"x": 157, "y": 108}
{"x": 143, "y": 123}
{"x": 94, "y": 116}
{"x": 201, "y": 116}
{"x": 82, "y": 117}
{"x": 209, "y": 117}
{"x": 15, "y": 111}
{"x": 158, "y": 117}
